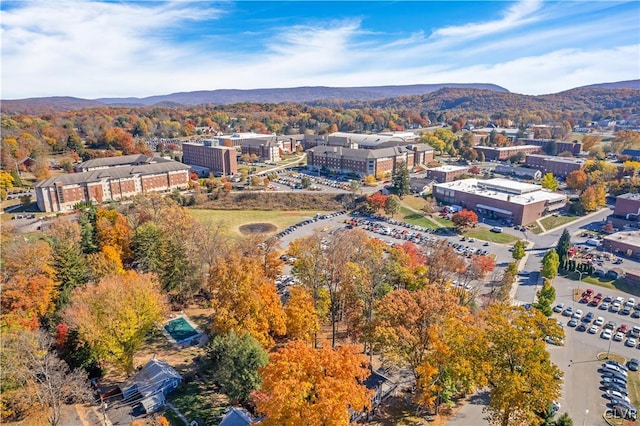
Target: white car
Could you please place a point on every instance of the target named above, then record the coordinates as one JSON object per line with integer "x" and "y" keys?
{"x": 617, "y": 395}
{"x": 558, "y": 308}
{"x": 606, "y": 334}
{"x": 593, "y": 329}
{"x": 615, "y": 307}
{"x": 604, "y": 306}
{"x": 618, "y": 337}
{"x": 608, "y": 368}
{"x": 577, "y": 314}
{"x": 599, "y": 321}
{"x": 631, "y": 342}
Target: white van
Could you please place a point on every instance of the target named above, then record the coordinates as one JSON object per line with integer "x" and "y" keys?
{"x": 496, "y": 229}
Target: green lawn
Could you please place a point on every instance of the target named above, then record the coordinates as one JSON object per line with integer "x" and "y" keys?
{"x": 535, "y": 228}
{"x": 416, "y": 203}
{"x": 494, "y": 237}
{"x": 619, "y": 284}
{"x": 414, "y": 218}
{"x": 231, "y": 220}
{"x": 551, "y": 222}
{"x": 199, "y": 400}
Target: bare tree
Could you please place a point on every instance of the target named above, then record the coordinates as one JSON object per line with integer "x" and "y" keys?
{"x": 40, "y": 379}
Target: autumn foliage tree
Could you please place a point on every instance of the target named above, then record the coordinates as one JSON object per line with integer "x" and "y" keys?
{"x": 576, "y": 180}
{"x": 243, "y": 300}
{"x": 408, "y": 324}
{"x": 303, "y": 385}
{"x": 522, "y": 379}
{"x": 28, "y": 286}
{"x": 115, "y": 315}
{"x": 464, "y": 219}
{"x": 302, "y": 319}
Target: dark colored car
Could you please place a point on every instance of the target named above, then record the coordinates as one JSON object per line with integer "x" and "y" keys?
{"x": 633, "y": 364}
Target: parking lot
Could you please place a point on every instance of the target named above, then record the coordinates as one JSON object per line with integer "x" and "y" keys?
{"x": 582, "y": 393}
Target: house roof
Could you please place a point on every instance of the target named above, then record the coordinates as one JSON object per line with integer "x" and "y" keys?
{"x": 375, "y": 380}
{"x": 152, "y": 377}
{"x": 114, "y": 173}
{"x": 237, "y": 417}
{"x": 503, "y": 189}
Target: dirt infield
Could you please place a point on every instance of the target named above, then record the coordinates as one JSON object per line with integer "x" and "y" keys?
{"x": 257, "y": 228}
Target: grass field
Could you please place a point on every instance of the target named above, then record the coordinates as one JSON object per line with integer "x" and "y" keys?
{"x": 551, "y": 222}
{"x": 414, "y": 218}
{"x": 231, "y": 220}
{"x": 416, "y": 203}
{"x": 493, "y": 237}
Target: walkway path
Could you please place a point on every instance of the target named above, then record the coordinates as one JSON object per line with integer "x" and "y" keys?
{"x": 178, "y": 413}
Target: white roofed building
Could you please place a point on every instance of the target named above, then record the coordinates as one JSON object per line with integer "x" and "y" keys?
{"x": 517, "y": 202}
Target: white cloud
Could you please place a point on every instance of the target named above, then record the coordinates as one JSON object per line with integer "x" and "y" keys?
{"x": 92, "y": 50}
{"x": 516, "y": 15}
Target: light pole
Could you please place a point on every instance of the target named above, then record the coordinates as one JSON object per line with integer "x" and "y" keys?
{"x": 586, "y": 413}
{"x": 609, "y": 349}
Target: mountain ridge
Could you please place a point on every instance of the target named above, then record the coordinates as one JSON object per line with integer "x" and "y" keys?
{"x": 430, "y": 96}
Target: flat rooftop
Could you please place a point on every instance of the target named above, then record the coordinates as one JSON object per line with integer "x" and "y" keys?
{"x": 571, "y": 160}
{"x": 504, "y": 189}
{"x": 630, "y": 196}
{"x": 449, "y": 168}
{"x": 630, "y": 238}
{"x": 508, "y": 148}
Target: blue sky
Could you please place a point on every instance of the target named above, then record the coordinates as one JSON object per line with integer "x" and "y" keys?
{"x": 95, "y": 49}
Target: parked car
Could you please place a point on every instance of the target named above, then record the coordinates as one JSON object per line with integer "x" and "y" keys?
{"x": 606, "y": 334}
{"x": 615, "y": 394}
{"x": 558, "y": 308}
{"x": 588, "y": 317}
{"x": 615, "y": 364}
{"x": 633, "y": 364}
{"x": 572, "y": 322}
{"x": 599, "y": 321}
{"x": 593, "y": 329}
{"x": 618, "y": 337}
{"x": 604, "y": 306}
{"x": 568, "y": 312}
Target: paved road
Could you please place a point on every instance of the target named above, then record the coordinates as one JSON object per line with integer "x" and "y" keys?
{"x": 544, "y": 242}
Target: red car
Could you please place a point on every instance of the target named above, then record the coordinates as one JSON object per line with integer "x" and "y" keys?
{"x": 622, "y": 329}
{"x": 596, "y": 300}
{"x": 587, "y": 292}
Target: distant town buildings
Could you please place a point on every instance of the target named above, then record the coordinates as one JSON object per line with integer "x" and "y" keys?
{"x": 113, "y": 178}
{"x": 517, "y": 202}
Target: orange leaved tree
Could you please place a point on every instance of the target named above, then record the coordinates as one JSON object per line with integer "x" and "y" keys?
{"x": 303, "y": 385}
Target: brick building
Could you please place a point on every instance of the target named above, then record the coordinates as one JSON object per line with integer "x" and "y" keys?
{"x": 517, "y": 202}
{"x": 220, "y": 160}
{"x": 625, "y": 243}
{"x": 504, "y": 152}
{"x": 523, "y": 172}
{"x": 559, "y": 166}
{"x": 446, "y": 173}
{"x": 575, "y": 148}
{"x": 113, "y": 182}
{"x": 376, "y": 162}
